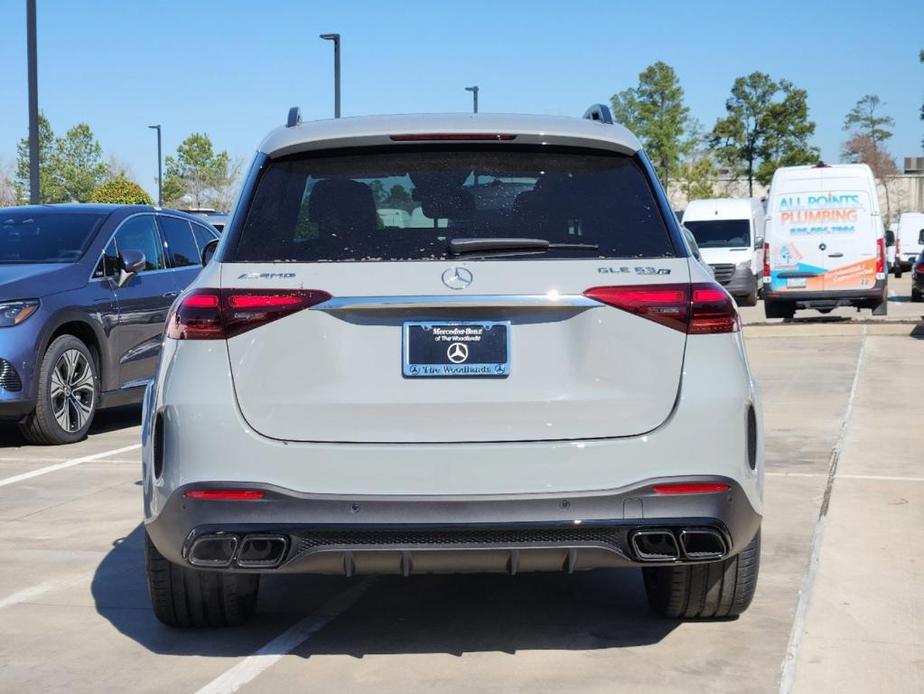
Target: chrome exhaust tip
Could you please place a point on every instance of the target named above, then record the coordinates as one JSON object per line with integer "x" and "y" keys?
{"x": 262, "y": 551}
{"x": 702, "y": 544}
{"x": 216, "y": 550}
{"x": 655, "y": 545}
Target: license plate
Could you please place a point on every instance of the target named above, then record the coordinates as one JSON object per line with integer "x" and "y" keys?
{"x": 796, "y": 283}
{"x": 456, "y": 348}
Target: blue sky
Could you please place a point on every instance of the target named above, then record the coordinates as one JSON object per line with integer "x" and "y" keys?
{"x": 232, "y": 69}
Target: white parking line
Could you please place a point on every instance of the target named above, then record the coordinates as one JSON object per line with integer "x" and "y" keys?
{"x": 67, "y": 464}
{"x": 34, "y": 592}
{"x": 249, "y": 668}
{"x": 872, "y": 478}
{"x": 788, "y": 667}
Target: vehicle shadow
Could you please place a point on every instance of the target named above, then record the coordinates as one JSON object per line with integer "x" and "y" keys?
{"x": 105, "y": 421}
{"x": 448, "y": 614}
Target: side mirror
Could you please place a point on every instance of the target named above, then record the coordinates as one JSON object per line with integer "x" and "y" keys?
{"x": 209, "y": 251}
{"x": 131, "y": 262}
{"x": 890, "y": 237}
{"x": 758, "y": 244}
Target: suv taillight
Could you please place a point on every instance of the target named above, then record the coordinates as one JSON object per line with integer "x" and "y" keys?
{"x": 696, "y": 309}
{"x": 218, "y": 314}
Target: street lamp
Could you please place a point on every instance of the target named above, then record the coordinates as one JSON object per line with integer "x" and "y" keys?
{"x": 160, "y": 173}
{"x": 474, "y": 91}
{"x": 34, "y": 192}
{"x": 336, "y": 39}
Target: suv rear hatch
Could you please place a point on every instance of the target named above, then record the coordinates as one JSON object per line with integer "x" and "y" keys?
{"x": 457, "y": 310}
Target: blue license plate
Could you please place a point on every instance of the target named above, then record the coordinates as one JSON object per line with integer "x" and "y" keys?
{"x": 456, "y": 348}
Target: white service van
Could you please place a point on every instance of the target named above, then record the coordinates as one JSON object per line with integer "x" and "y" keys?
{"x": 909, "y": 239}
{"x": 730, "y": 236}
{"x": 824, "y": 245}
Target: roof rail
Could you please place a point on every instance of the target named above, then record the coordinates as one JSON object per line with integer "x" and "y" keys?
{"x": 294, "y": 117}
{"x": 599, "y": 112}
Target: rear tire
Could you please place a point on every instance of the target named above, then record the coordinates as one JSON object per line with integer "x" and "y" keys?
{"x": 183, "y": 597}
{"x": 705, "y": 591}
{"x": 779, "y": 309}
{"x": 748, "y": 299}
{"x": 68, "y": 392}
{"x": 897, "y": 271}
{"x": 916, "y": 296}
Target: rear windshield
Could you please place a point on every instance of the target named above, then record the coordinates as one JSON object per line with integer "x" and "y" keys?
{"x": 407, "y": 204}
{"x": 721, "y": 233}
{"x": 27, "y": 236}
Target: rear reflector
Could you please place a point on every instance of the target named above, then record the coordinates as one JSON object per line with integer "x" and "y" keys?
{"x": 695, "y": 309}
{"x": 213, "y": 314}
{"x": 225, "y": 494}
{"x": 453, "y": 137}
{"x": 691, "y": 488}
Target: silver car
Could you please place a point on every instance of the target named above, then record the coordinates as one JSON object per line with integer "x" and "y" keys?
{"x": 466, "y": 343}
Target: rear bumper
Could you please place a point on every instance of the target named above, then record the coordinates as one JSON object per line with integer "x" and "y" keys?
{"x": 830, "y": 299}
{"x": 375, "y": 534}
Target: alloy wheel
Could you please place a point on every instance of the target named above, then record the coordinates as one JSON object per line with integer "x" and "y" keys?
{"x": 73, "y": 390}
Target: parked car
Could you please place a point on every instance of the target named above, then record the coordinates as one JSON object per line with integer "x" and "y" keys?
{"x": 730, "y": 235}
{"x": 825, "y": 244}
{"x": 917, "y": 278}
{"x": 85, "y": 291}
{"x": 909, "y": 239}
{"x": 512, "y": 382}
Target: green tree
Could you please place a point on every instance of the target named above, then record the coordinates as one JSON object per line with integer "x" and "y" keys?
{"x": 398, "y": 198}
{"x": 198, "y": 171}
{"x": 47, "y": 184}
{"x": 766, "y": 126}
{"x": 655, "y": 112}
{"x": 78, "y": 163}
{"x": 122, "y": 191}
{"x": 70, "y": 167}
{"x": 862, "y": 119}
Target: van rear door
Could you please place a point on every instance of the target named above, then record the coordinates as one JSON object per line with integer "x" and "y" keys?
{"x": 823, "y": 240}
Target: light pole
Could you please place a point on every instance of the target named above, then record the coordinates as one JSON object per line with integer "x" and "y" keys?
{"x": 474, "y": 91}
{"x": 160, "y": 173}
{"x": 34, "y": 193}
{"x": 336, "y": 39}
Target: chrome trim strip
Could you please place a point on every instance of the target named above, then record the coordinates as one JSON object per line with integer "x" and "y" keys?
{"x": 345, "y": 303}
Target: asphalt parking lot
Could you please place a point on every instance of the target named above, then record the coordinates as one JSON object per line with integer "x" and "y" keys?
{"x": 838, "y": 608}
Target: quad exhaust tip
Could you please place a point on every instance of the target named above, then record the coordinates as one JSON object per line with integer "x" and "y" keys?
{"x": 254, "y": 551}
{"x": 691, "y": 544}
{"x": 702, "y": 544}
{"x": 655, "y": 545}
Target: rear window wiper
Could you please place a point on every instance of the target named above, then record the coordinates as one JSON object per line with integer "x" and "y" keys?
{"x": 465, "y": 246}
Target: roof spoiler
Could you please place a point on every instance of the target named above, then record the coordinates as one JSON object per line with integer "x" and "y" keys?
{"x": 599, "y": 112}
{"x": 294, "y": 117}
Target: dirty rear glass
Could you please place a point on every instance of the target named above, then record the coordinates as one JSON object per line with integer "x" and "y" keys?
{"x": 407, "y": 204}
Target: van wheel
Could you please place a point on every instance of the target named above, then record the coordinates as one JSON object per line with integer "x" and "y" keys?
{"x": 68, "y": 391}
{"x": 897, "y": 271}
{"x": 779, "y": 309}
{"x": 183, "y": 597}
{"x": 705, "y": 591}
{"x": 748, "y": 299}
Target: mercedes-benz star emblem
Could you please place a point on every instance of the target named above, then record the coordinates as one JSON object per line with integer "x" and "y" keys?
{"x": 457, "y": 277}
{"x": 457, "y": 352}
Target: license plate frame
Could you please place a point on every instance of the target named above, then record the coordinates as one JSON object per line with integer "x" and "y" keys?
{"x": 423, "y": 354}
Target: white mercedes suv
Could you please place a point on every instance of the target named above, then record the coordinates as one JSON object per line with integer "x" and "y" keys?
{"x": 452, "y": 343}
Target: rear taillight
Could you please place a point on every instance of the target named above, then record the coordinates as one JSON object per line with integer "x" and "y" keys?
{"x": 918, "y": 269}
{"x": 453, "y": 137}
{"x": 225, "y": 494}
{"x": 880, "y": 257}
{"x": 696, "y": 309}
{"x": 766, "y": 274}
{"x": 218, "y": 314}
{"x": 691, "y": 488}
